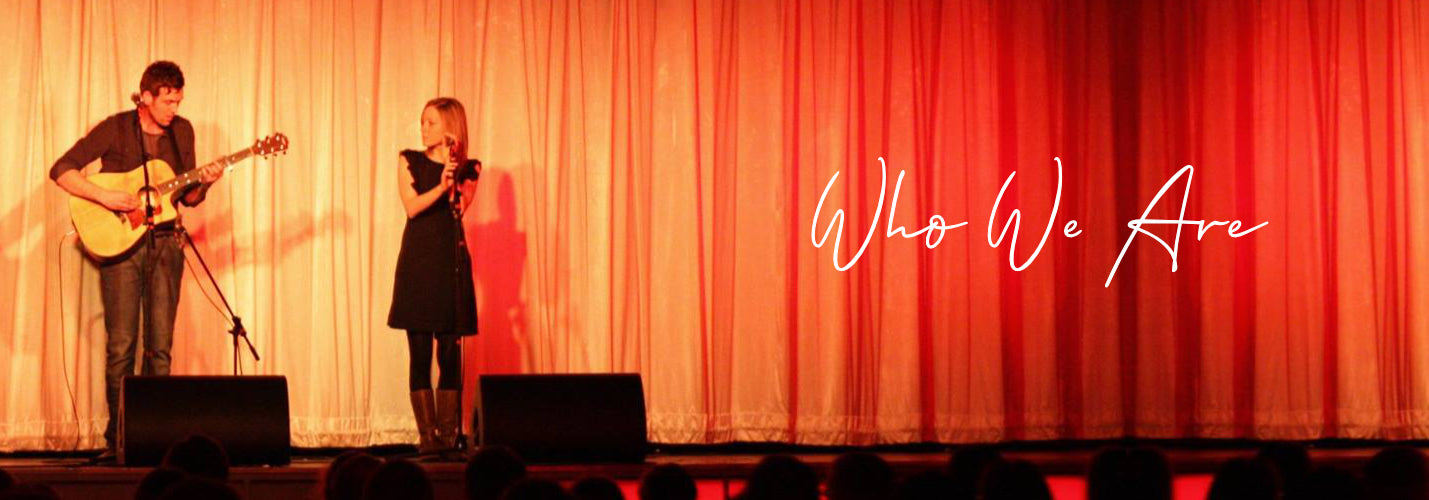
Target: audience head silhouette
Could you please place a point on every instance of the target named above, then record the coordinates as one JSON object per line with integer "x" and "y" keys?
{"x": 1397, "y": 473}
{"x": 29, "y": 491}
{"x": 1015, "y": 480}
{"x": 398, "y": 479}
{"x": 491, "y": 470}
{"x": 781, "y": 477}
{"x": 858, "y": 476}
{"x": 200, "y": 456}
{"x": 968, "y": 466}
{"x": 596, "y": 488}
{"x": 199, "y": 488}
{"x": 535, "y": 489}
{"x": 1121, "y": 473}
{"x": 667, "y": 482}
{"x": 1329, "y": 483}
{"x": 158, "y": 481}
{"x": 1292, "y": 465}
{"x": 348, "y": 474}
{"x": 926, "y": 484}
{"x": 1245, "y": 479}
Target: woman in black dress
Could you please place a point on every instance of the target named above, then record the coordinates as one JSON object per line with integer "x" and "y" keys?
{"x": 433, "y": 296}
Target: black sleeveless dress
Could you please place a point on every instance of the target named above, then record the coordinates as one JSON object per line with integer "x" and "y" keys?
{"x": 433, "y": 290}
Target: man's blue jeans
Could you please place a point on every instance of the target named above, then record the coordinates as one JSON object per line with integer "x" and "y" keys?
{"x": 122, "y": 283}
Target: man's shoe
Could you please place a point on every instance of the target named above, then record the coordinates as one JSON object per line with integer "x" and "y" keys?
{"x": 108, "y": 457}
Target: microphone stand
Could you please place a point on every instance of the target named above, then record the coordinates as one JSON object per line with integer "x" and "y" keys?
{"x": 461, "y": 277}
{"x": 145, "y": 270}
{"x": 238, "y": 331}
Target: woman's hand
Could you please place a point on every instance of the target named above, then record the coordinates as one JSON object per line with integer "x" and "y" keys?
{"x": 449, "y": 174}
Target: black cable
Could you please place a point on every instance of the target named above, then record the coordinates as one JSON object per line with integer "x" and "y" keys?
{"x": 64, "y": 362}
{"x": 190, "y": 266}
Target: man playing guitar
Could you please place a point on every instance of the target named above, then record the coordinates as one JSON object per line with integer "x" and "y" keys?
{"x": 147, "y": 276}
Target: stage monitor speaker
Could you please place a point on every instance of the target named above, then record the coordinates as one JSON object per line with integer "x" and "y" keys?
{"x": 565, "y": 418}
{"x": 247, "y": 415}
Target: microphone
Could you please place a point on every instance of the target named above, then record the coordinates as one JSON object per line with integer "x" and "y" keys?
{"x": 452, "y": 192}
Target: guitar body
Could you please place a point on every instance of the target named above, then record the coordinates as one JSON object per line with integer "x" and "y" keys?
{"x": 107, "y": 234}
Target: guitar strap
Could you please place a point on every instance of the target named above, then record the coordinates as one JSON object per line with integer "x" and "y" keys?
{"x": 144, "y": 155}
{"x": 178, "y": 153}
{"x": 139, "y": 134}
{"x": 173, "y": 143}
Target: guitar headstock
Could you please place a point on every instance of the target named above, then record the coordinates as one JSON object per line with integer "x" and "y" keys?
{"x": 272, "y": 145}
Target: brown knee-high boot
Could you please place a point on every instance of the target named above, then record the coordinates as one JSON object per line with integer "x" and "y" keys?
{"x": 448, "y": 418}
{"x": 424, "y": 409}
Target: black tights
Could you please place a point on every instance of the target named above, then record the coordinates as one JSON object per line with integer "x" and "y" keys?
{"x": 419, "y": 351}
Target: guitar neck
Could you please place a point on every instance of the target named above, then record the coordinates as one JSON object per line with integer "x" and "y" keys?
{"x": 194, "y": 177}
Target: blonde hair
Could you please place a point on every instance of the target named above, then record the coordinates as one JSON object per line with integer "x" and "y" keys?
{"x": 453, "y": 119}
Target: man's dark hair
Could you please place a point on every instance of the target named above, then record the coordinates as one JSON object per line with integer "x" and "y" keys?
{"x": 159, "y": 75}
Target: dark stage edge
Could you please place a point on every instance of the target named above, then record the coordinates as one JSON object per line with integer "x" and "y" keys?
{"x": 722, "y": 464}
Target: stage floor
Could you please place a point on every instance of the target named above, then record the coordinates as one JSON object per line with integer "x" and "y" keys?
{"x": 719, "y": 471}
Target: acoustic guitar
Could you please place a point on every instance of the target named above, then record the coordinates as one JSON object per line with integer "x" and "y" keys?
{"x": 108, "y": 233}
